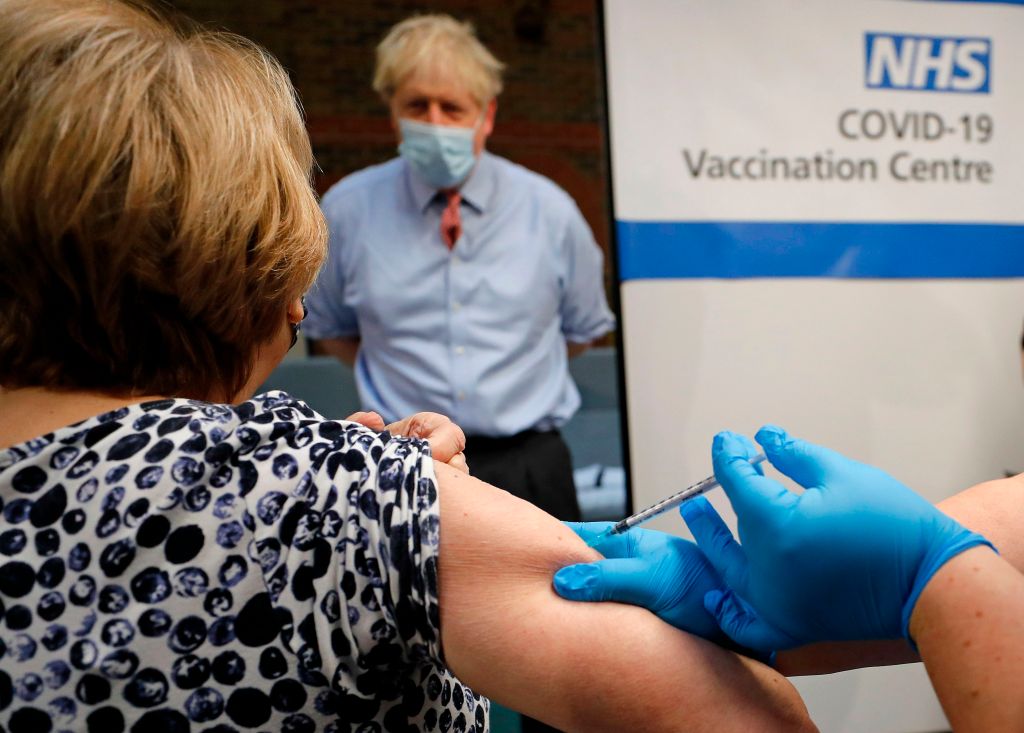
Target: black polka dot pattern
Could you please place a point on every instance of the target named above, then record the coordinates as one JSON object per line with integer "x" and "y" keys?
{"x": 184, "y": 566}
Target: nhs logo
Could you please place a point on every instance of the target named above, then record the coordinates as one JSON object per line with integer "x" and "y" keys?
{"x": 927, "y": 63}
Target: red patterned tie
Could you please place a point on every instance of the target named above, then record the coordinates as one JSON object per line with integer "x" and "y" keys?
{"x": 451, "y": 222}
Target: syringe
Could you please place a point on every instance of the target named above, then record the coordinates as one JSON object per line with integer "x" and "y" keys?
{"x": 660, "y": 507}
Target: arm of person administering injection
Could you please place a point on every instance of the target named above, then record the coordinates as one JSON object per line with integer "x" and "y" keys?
{"x": 969, "y": 626}
{"x": 993, "y": 509}
{"x": 860, "y": 556}
{"x": 580, "y": 667}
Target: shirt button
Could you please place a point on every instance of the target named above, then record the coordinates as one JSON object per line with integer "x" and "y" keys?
{"x": 460, "y": 350}
{"x": 461, "y": 395}
{"x": 456, "y": 306}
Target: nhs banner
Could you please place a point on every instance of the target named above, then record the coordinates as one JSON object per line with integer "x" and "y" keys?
{"x": 871, "y": 139}
{"x": 819, "y": 223}
{"x": 927, "y": 63}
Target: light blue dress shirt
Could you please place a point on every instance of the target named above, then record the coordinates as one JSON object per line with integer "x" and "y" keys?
{"x": 476, "y": 333}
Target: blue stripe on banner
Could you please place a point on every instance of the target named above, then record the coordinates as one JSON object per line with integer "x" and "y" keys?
{"x": 656, "y": 250}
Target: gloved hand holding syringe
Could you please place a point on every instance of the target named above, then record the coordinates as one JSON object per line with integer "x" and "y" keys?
{"x": 664, "y": 505}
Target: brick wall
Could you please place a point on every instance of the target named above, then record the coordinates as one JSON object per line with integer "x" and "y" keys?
{"x": 549, "y": 116}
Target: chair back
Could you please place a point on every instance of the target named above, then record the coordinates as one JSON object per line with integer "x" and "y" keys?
{"x": 322, "y": 382}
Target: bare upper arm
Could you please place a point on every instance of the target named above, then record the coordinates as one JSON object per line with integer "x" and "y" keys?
{"x": 578, "y": 666}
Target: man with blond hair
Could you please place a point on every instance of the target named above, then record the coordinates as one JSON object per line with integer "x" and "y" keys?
{"x": 459, "y": 282}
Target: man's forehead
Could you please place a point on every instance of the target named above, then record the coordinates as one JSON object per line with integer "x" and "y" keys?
{"x": 436, "y": 85}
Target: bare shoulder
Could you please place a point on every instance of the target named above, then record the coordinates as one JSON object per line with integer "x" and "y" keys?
{"x": 993, "y": 509}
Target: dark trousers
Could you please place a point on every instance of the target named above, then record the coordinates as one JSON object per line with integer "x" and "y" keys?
{"x": 535, "y": 466}
{"x": 532, "y": 465}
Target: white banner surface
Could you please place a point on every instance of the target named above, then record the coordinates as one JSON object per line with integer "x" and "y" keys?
{"x": 819, "y": 224}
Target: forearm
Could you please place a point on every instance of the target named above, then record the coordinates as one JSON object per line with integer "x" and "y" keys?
{"x": 969, "y": 626}
{"x": 580, "y": 667}
{"x": 993, "y": 509}
{"x": 344, "y": 350}
{"x": 645, "y": 675}
{"x": 839, "y": 656}
{"x": 575, "y": 349}
{"x": 611, "y": 667}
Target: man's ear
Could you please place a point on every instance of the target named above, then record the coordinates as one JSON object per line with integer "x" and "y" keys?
{"x": 486, "y": 127}
{"x": 489, "y": 114}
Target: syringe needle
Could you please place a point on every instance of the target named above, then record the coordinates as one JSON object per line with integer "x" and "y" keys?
{"x": 660, "y": 507}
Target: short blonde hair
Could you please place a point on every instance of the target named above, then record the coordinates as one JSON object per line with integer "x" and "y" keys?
{"x": 436, "y": 44}
{"x": 156, "y": 209}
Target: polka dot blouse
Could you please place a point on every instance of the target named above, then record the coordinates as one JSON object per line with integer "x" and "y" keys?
{"x": 185, "y": 566}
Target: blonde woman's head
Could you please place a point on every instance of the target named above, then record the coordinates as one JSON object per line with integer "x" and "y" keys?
{"x": 156, "y": 212}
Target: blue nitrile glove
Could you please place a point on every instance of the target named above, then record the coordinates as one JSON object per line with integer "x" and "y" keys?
{"x": 663, "y": 573}
{"x": 847, "y": 559}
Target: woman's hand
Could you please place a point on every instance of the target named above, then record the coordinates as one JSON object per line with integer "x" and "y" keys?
{"x": 446, "y": 439}
{"x": 370, "y": 420}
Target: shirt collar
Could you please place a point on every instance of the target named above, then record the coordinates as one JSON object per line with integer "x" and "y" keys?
{"x": 477, "y": 191}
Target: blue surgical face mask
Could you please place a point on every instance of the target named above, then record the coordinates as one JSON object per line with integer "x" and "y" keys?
{"x": 441, "y": 155}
